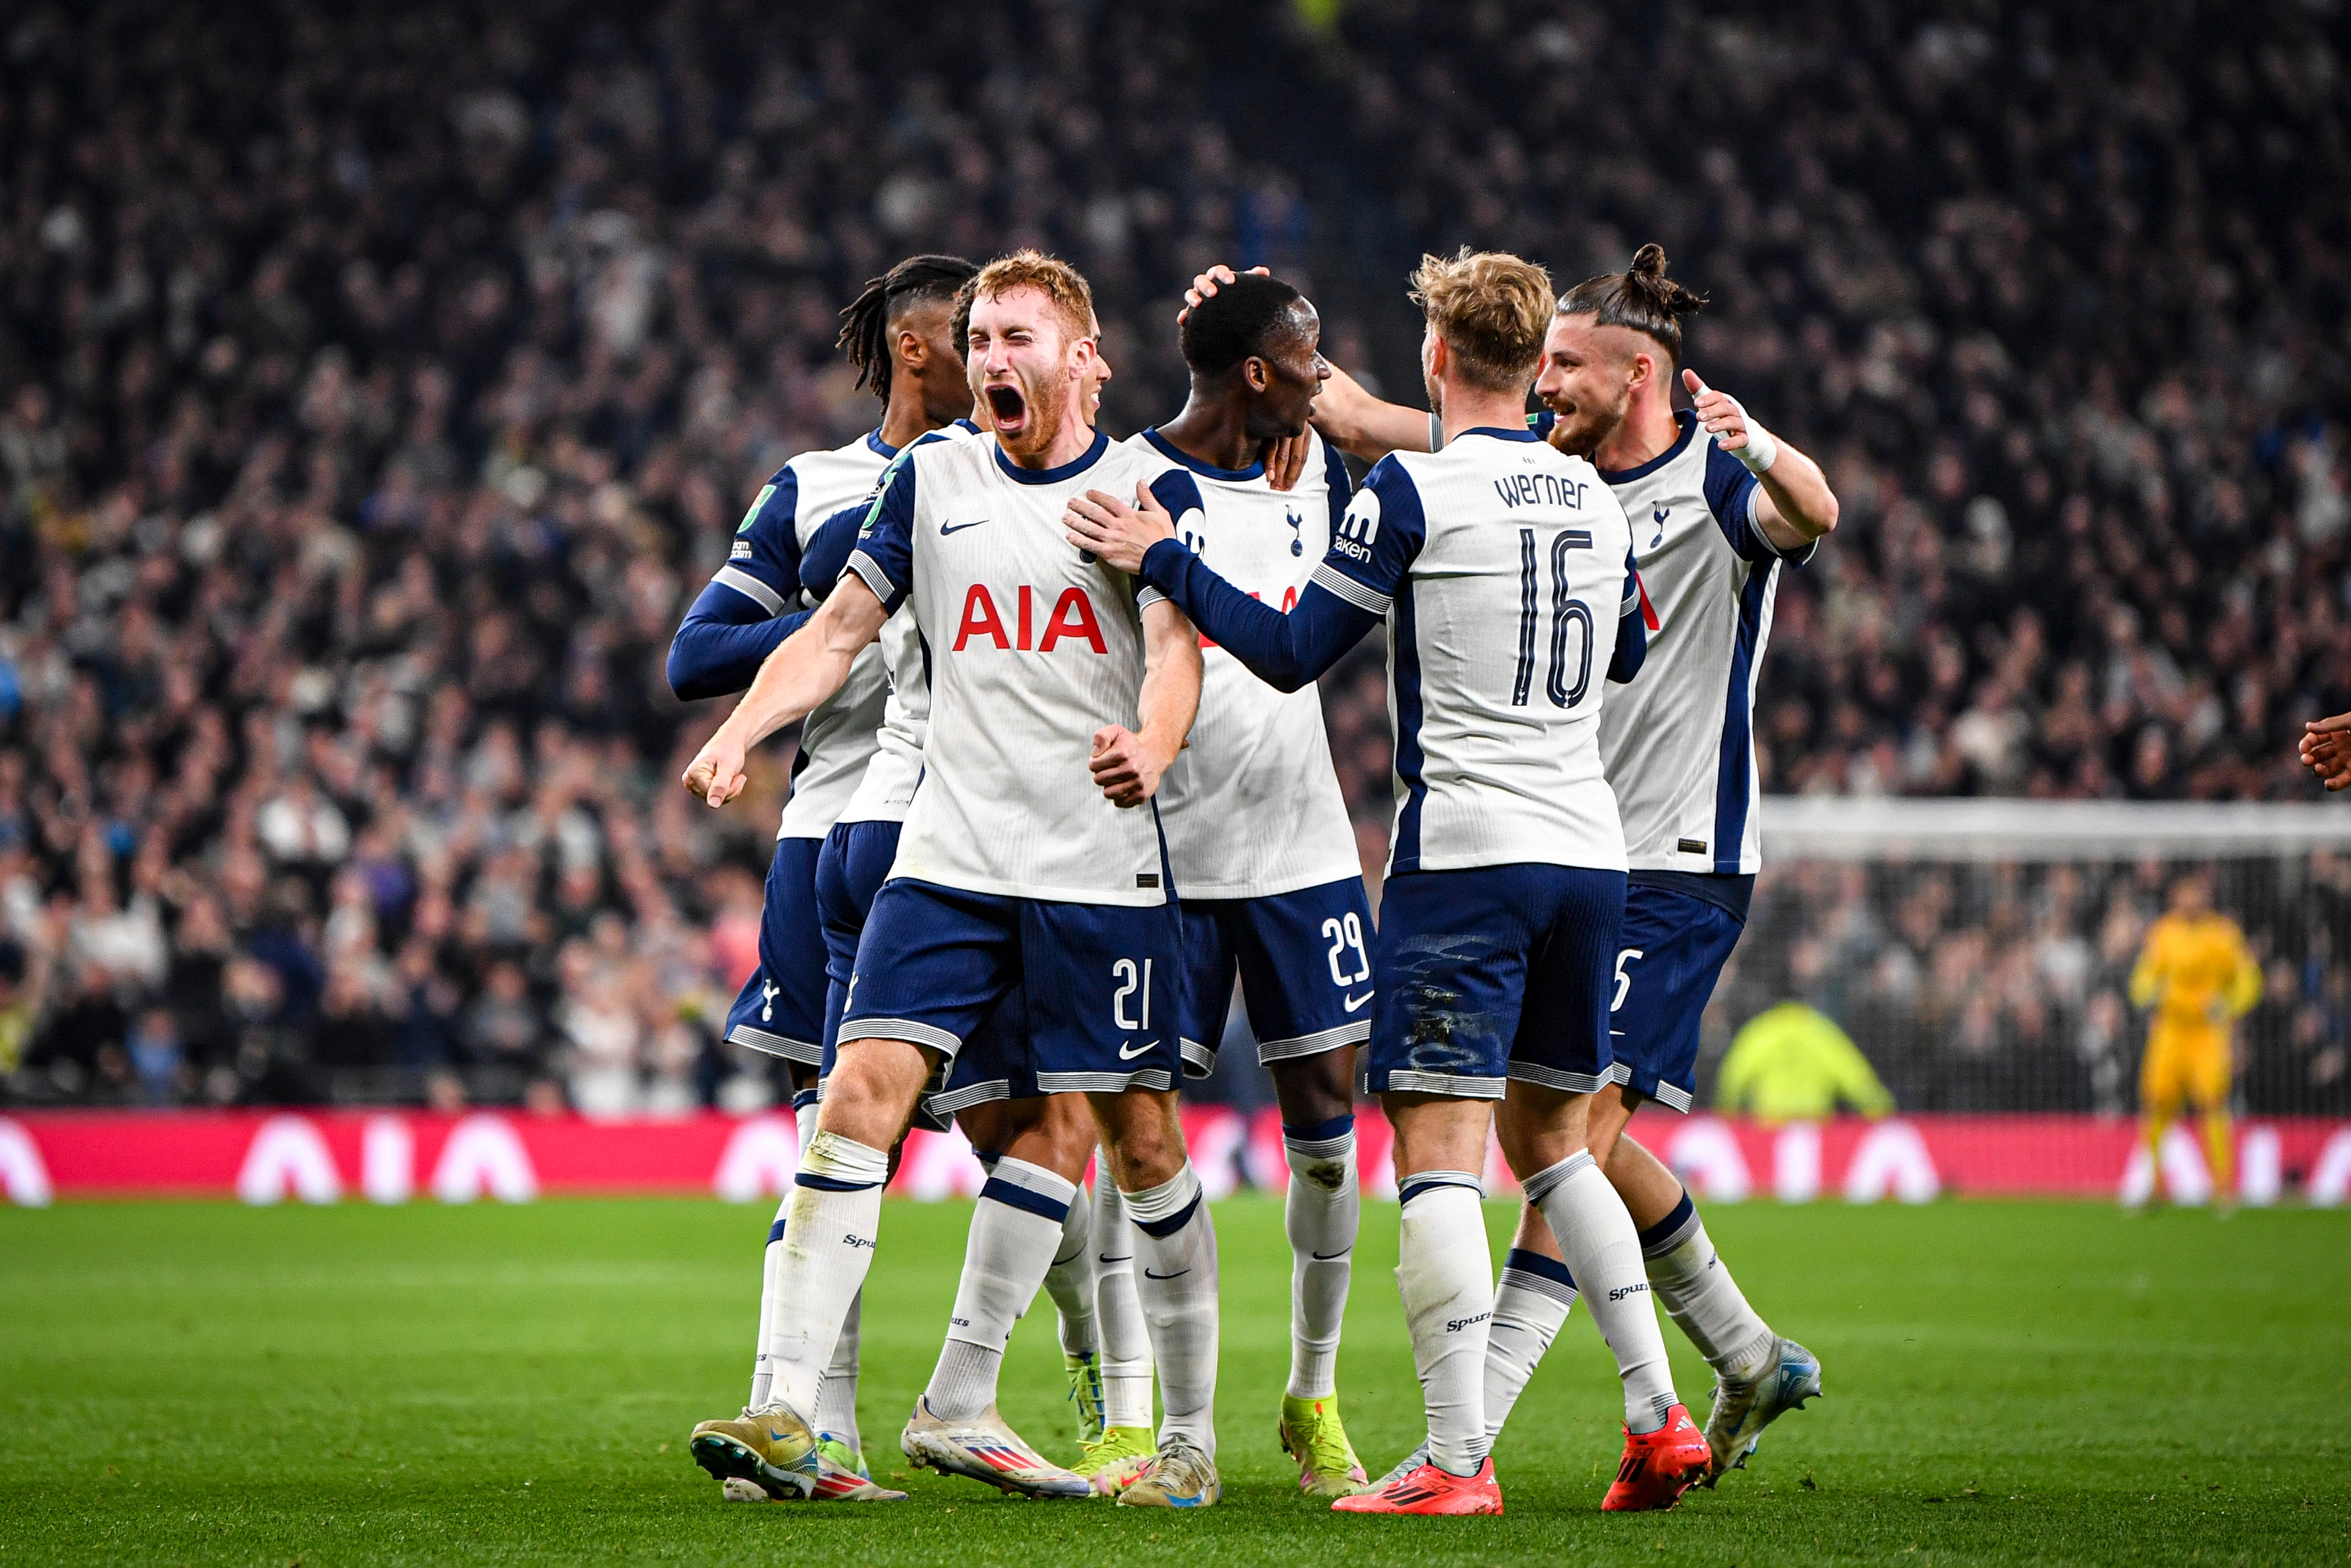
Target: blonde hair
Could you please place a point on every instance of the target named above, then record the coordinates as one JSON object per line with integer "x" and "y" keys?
{"x": 1492, "y": 310}
{"x": 1055, "y": 279}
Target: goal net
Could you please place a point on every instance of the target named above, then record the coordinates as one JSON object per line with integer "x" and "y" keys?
{"x": 1978, "y": 952}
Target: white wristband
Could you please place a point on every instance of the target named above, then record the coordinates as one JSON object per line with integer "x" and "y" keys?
{"x": 1435, "y": 431}
{"x": 1761, "y": 451}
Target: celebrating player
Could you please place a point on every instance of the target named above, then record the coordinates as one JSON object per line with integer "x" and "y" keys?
{"x": 897, "y": 333}
{"x": 2197, "y": 975}
{"x": 1011, "y": 869}
{"x": 1506, "y": 884}
{"x": 855, "y": 864}
{"x": 1258, "y": 835}
{"x": 1712, "y": 521}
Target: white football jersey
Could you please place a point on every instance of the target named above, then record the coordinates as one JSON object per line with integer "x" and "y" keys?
{"x": 1679, "y": 741}
{"x": 1033, "y": 645}
{"x": 1252, "y": 807}
{"x": 1502, "y": 566}
{"x": 888, "y": 787}
{"x": 837, "y": 740}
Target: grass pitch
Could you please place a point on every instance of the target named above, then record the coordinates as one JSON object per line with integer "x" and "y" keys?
{"x": 2007, "y": 1383}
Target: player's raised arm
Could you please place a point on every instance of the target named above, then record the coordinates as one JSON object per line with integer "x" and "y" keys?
{"x": 1364, "y": 426}
{"x": 798, "y": 675}
{"x": 1127, "y": 764}
{"x": 1797, "y": 506}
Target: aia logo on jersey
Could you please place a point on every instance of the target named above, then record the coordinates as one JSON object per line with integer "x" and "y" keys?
{"x": 1071, "y": 620}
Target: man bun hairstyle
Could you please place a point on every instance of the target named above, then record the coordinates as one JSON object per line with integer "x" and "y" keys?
{"x": 1643, "y": 298}
{"x": 1491, "y": 309}
{"x": 865, "y": 323}
{"x": 1240, "y": 319}
{"x": 1055, "y": 279}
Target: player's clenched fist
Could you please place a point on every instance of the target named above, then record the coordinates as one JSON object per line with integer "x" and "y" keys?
{"x": 2327, "y": 749}
{"x": 1118, "y": 533}
{"x": 1125, "y": 767}
{"x": 717, "y": 771}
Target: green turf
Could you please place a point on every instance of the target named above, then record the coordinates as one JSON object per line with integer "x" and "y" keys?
{"x": 2007, "y": 1381}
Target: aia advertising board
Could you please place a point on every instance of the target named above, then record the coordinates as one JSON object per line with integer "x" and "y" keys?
{"x": 326, "y": 1156}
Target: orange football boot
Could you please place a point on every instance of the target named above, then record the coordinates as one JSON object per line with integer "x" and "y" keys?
{"x": 1660, "y": 1466}
{"x": 1429, "y": 1490}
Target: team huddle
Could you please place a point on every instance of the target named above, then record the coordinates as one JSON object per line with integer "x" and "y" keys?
{"x": 1063, "y": 775}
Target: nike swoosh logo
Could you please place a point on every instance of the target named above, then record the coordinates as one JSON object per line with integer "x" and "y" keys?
{"x": 1354, "y": 1002}
{"x": 1332, "y": 1257}
{"x": 1126, "y": 1055}
{"x": 1128, "y": 1259}
{"x": 1176, "y": 1275}
{"x": 946, "y": 528}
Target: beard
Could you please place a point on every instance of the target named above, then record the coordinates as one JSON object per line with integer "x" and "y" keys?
{"x": 1040, "y": 421}
{"x": 1583, "y": 428}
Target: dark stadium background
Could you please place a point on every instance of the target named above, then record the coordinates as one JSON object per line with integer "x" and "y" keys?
{"x": 378, "y": 382}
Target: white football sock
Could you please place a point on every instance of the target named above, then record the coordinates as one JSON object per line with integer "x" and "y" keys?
{"x": 1531, "y": 1307}
{"x": 1176, "y": 1244}
{"x": 1320, "y": 1215}
{"x": 1015, "y": 1229}
{"x": 1070, "y": 1279}
{"x": 1603, "y": 1254}
{"x": 804, "y": 1119}
{"x": 829, "y": 1233}
{"x": 1126, "y": 1367}
{"x": 1699, "y": 1293}
{"x": 761, "y": 1378}
{"x": 1446, "y": 1276}
{"x": 836, "y": 1400}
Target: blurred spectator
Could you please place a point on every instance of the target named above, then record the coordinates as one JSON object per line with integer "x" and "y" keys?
{"x": 377, "y": 384}
{"x": 1792, "y": 1063}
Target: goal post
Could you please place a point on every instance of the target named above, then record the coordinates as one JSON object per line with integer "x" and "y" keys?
{"x": 1978, "y": 951}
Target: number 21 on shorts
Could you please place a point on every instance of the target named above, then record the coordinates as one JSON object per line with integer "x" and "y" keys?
{"x": 1131, "y": 979}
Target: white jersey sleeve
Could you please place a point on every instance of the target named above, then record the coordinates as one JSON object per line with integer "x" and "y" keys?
{"x": 838, "y": 737}
{"x": 1252, "y": 808}
{"x": 1033, "y": 646}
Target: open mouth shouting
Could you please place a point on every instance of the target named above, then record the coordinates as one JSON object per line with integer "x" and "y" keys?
{"x": 1006, "y": 409}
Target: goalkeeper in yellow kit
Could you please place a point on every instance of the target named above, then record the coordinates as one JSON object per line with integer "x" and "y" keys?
{"x": 2197, "y": 975}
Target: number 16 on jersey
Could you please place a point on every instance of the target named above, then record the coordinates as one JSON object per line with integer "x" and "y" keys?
{"x": 1566, "y": 611}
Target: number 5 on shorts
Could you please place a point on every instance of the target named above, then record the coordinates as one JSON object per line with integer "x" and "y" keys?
{"x": 1623, "y": 980}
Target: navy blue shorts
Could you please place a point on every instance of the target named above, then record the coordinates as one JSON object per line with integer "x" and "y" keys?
{"x": 1494, "y": 973}
{"x": 1100, "y": 986}
{"x": 1672, "y": 952}
{"x": 1305, "y": 962}
{"x": 855, "y": 864}
{"x": 781, "y": 1008}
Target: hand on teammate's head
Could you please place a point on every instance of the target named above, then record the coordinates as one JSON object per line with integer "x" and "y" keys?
{"x": 1205, "y": 285}
{"x": 2327, "y": 749}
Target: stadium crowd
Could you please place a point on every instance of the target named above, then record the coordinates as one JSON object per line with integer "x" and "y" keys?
{"x": 378, "y": 384}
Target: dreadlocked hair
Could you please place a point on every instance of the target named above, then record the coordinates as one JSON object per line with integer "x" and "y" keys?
{"x": 1643, "y": 298}
{"x": 865, "y": 324}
